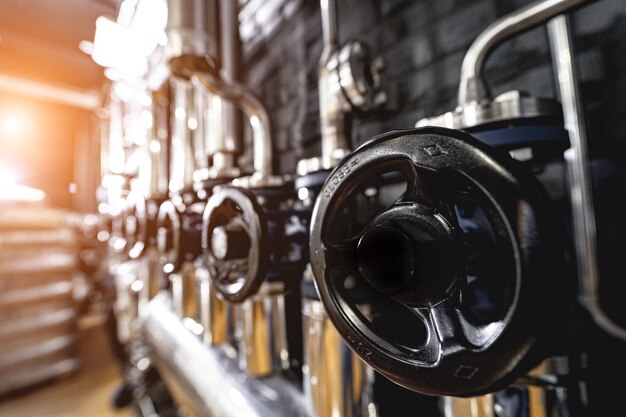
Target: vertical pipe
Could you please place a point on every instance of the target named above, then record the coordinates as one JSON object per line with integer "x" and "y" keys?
{"x": 191, "y": 28}
{"x": 192, "y": 40}
{"x": 329, "y": 24}
{"x": 255, "y": 112}
{"x": 182, "y": 165}
{"x": 577, "y": 159}
{"x": 334, "y": 123}
{"x": 230, "y": 52}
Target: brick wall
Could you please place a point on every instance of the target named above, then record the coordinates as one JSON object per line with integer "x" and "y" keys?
{"x": 423, "y": 43}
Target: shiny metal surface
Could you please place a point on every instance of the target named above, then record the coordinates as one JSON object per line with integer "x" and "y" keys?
{"x": 579, "y": 174}
{"x": 360, "y": 76}
{"x": 335, "y": 139}
{"x": 510, "y": 105}
{"x": 158, "y": 146}
{"x": 263, "y": 346}
{"x": 127, "y": 290}
{"x": 205, "y": 381}
{"x": 182, "y": 158}
{"x": 149, "y": 276}
{"x": 184, "y": 297}
{"x": 213, "y": 314}
{"x": 336, "y": 381}
{"x": 169, "y": 232}
{"x": 468, "y": 407}
{"x": 254, "y": 110}
{"x": 191, "y": 28}
{"x": 473, "y": 86}
{"x": 228, "y": 145}
{"x": 201, "y": 126}
{"x": 347, "y": 78}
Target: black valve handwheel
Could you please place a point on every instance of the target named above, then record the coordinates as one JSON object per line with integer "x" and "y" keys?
{"x": 168, "y": 239}
{"x": 460, "y": 272}
{"x": 235, "y": 243}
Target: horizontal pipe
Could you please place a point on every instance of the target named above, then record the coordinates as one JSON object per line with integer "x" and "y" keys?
{"x": 205, "y": 379}
{"x": 473, "y": 87}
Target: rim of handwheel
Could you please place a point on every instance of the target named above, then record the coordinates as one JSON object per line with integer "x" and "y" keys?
{"x": 168, "y": 236}
{"x": 439, "y": 339}
{"x": 237, "y": 211}
{"x": 137, "y": 241}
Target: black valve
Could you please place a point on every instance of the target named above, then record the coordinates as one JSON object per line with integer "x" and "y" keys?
{"x": 461, "y": 272}
{"x": 246, "y": 243}
{"x": 235, "y": 243}
{"x": 169, "y": 235}
{"x": 179, "y": 225}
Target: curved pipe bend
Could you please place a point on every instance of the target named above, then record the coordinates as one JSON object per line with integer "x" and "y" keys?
{"x": 473, "y": 87}
{"x": 254, "y": 110}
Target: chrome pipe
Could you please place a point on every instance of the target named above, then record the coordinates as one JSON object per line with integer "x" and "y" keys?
{"x": 191, "y": 28}
{"x": 579, "y": 174}
{"x": 213, "y": 314}
{"x": 228, "y": 145}
{"x": 158, "y": 146}
{"x": 263, "y": 346}
{"x": 254, "y": 110}
{"x": 333, "y": 121}
{"x": 336, "y": 381}
{"x": 206, "y": 382}
{"x": 473, "y": 87}
{"x": 182, "y": 164}
{"x": 329, "y": 25}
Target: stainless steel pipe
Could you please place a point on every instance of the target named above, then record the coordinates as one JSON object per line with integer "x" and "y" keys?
{"x": 191, "y": 28}
{"x": 473, "y": 87}
{"x": 183, "y": 162}
{"x": 579, "y": 173}
{"x": 333, "y": 122}
{"x": 254, "y": 110}
{"x": 229, "y": 142}
{"x": 206, "y": 382}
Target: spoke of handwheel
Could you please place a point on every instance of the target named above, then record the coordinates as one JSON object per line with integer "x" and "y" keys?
{"x": 430, "y": 352}
{"x": 410, "y": 195}
{"x": 342, "y": 254}
{"x": 429, "y": 188}
{"x": 445, "y": 319}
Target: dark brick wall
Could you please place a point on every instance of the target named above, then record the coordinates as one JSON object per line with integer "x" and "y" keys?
{"x": 423, "y": 43}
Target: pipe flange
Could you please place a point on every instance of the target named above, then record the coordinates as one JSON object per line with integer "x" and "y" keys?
{"x": 360, "y": 76}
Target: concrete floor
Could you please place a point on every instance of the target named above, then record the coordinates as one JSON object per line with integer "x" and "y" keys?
{"x": 86, "y": 393}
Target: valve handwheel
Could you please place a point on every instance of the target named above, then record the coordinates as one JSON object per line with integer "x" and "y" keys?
{"x": 235, "y": 243}
{"x": 461, "y": 272}
{"x": 136, "y": 225}
{"x": 169, "y": 236}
